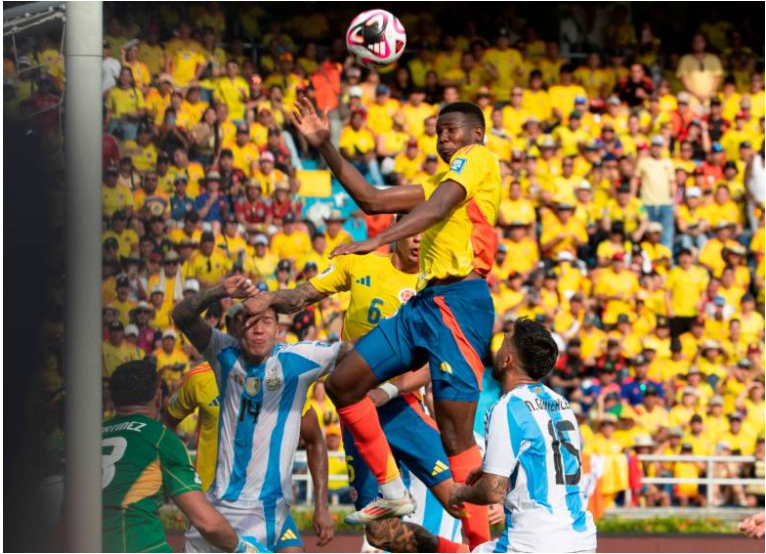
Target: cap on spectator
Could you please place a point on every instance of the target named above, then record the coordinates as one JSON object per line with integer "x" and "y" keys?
{"x": 112, "y": 170}
{"x": 432, "y": 158}
{"x": 267, "y": 157}
{"x": 355, "y": 92}
{"x": 283, "y": 185}
{"x": 212, "y": 176}
{"x": 231, "y": 218}
{"x": 623, "y": 318}
{"x": 111, "y": 243}
{"x": 207, "y": 236}
{"x": 261, "y": 239}
{"x": 716, "y": 147}
{"x": 652, "y": 389}
{"x": 590, "y": 318}
{"x": 719, "y": 300}
{"x": 285, "y": 57}
{"x": 640, "y": 360}
{"x": 284, "y": 265}
{"x": 502, "y": 247}
{"x": 547, "y": 142}
{"x": 694, "y": 370}
{"x": 575, "y": 114}
{"x": 181, "y": 178}
{"x": 565, "y": 204}
{"x": 736, "y": 415}
{"x": 657, "y": 140}
{"x": 696, "y": 418}
{"x": 564, "y": 256}
{"x": 716, "y": 400}
{"x": 157, "y": 290}
{"x": 483, "y": 91}
{"x": 171, "y": 256}
{"x": 531, "y": 120}
{"x": 743, "y": 144}
{"x": 116, "y": 326}
{"x": 683, "y": 97}
{"x": 122, "y": 281}
{"x": 310, "y": 266}
{"x": 608, "y": 418}
{"x": 747, "y": 298}
{"x": 580, "y": 99}
{"x": 744, "y": 363}
{"x": 688, "y": 391}
{"x": 623, "y": 188}
{"x": 335, "y": 215}
{"x": 576, "y": 408}
{"x": 382, "y": 89}
{"x": 592, "y": 145}
{"x": 693, "y": 192}
{"x": 676, "y": 432}
{"x": 715, "y": 101}
{"x": 618, "y": 257}
{"x": 686, "y": 446}
{"x": 655, "y": 227}
{"x": 169, "y": 334}
{"x": 583, "y": 185}
{"x": 131, "y": 331}
{"x": 613, "y": 101}
{"x": 354, "y": 72}
{"x": 262, "y": 287}
{"x": 192, "y": 285}
{"x": 142, "y": 306}
{"x": 643, "y": 440}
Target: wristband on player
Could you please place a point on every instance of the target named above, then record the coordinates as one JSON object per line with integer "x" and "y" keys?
{"x": 390, "y": 389}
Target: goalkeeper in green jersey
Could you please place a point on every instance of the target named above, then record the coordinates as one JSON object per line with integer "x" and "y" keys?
{"x": 143, "y": 461}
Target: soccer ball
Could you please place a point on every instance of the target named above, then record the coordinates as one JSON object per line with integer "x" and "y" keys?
{"x": 376, "y": 38}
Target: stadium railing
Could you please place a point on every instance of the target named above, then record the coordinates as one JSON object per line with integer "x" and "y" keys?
{"x": 709, "y": 479}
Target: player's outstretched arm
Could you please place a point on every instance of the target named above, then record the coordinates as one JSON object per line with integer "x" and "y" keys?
{"x": 316, "y": 130}
{"x": 316, "y": 453}
{"x": 395, "y": 535}
{"x": 187, "y": 314}
{"x": 480, "y": 488}
{"x": 445, "y": 198}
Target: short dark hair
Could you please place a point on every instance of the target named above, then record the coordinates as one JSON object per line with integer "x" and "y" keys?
{"x": 535, "y": 348}
{"x": 133, "y": 383}
{"x": 471, "y": 111}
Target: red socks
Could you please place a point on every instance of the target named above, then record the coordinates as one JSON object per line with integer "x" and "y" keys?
{"x": 362, "y": 421}
{"x": 449, "y": 546}
{"x": 476, "y": 520}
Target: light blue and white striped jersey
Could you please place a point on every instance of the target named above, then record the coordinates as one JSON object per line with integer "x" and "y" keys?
{"x": 532, "y": 437}
{"x": 260, "y": 417}
{"x": 430, "y": 514}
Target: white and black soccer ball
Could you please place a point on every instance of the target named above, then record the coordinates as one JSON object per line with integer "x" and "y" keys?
{"x": 376, "y": 38}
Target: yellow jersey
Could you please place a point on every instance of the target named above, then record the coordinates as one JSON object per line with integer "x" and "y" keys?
{"x": 377, "y": 289}
{"x": 208, "y": 270}
{"x": 114, "y": 356}
{"x": 465, "y": 240}
{"x": 199, "y": 391}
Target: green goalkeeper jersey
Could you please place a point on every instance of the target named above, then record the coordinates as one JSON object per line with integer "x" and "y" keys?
{"x": 141, "y": 462}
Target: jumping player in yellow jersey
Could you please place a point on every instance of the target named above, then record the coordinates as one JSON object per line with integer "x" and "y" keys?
{"x": 448, "y": 323}
{"x": 199, "y": 390}
{"x": 379, "y": 285}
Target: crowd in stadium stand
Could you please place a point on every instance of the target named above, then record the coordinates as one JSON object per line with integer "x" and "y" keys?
{"x": 631, "y": 221}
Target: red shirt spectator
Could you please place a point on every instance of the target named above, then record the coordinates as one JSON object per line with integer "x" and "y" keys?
{"x": 326, "y": 83}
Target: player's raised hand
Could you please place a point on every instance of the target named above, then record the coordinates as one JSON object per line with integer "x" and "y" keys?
{"x": 324, "y": 525}
{"x": 238, "y": 286}
{"x": 315, "y": 128}
{"x": 358, "y": 247}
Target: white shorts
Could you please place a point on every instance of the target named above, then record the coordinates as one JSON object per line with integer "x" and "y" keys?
{"x": 490, "y": 546}
{"x": 272, "y": 526}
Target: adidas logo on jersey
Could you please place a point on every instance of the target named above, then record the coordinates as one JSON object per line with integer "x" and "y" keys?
{"x": 288, "y": 536}
{"x": 364, "y": 281}
{"x": 439, "y": 467}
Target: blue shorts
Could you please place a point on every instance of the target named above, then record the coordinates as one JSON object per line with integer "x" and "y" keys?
{"x": 448, "y": 326}
{"x": 415, "y": 442}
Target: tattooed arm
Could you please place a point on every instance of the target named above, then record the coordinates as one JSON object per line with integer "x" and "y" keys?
{"x": 288, "y": 301}
{"x": 481, "y": 489}
{"x": 187, "y": 314}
